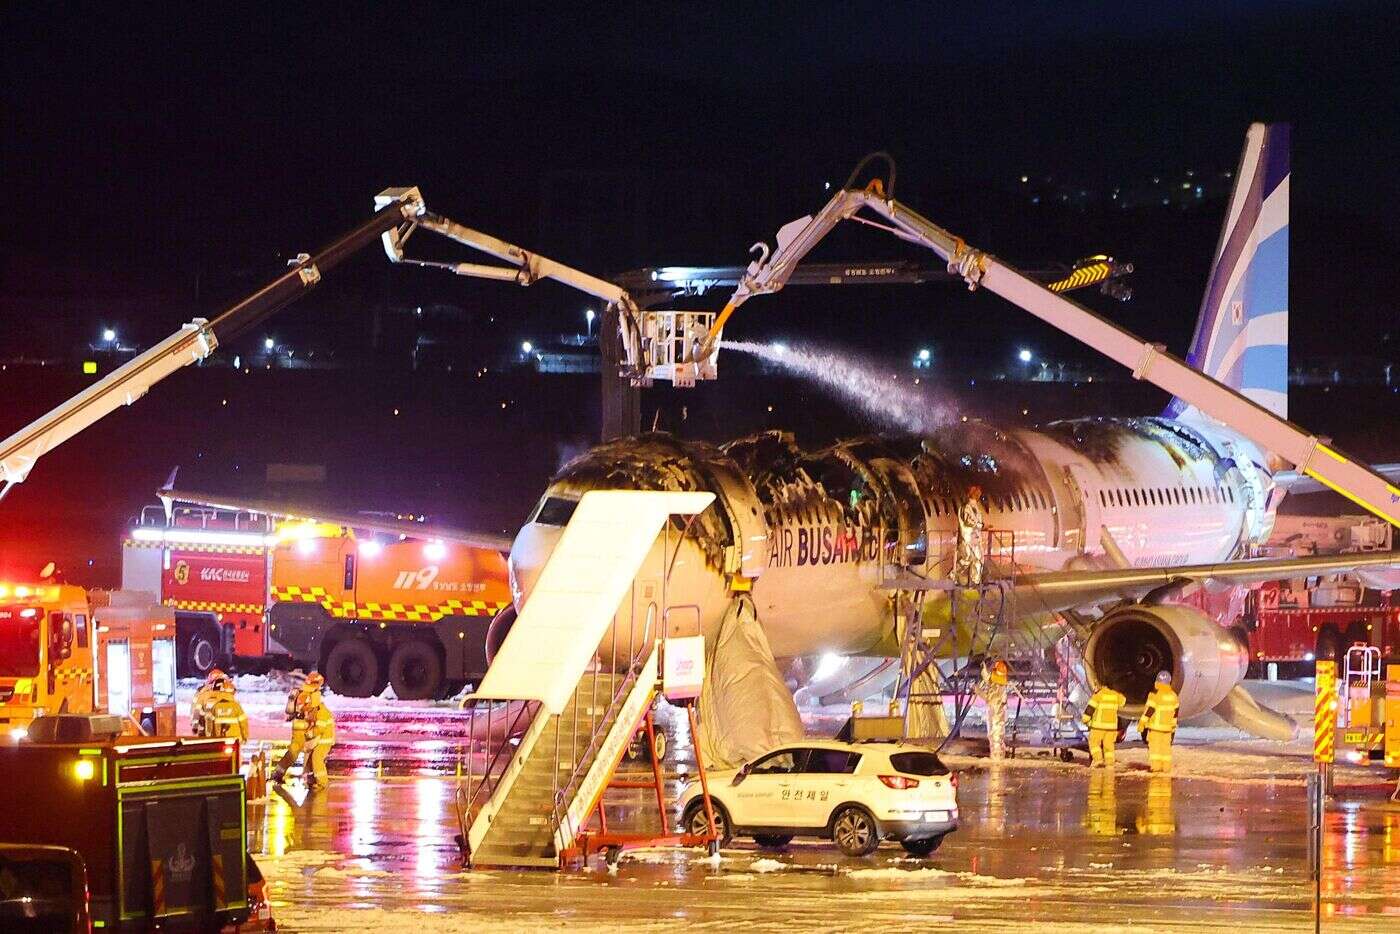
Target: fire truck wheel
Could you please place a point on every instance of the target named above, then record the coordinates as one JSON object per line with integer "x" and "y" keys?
{"x": 353, "y": 669}
{"x": 201, "y": 652}
{"x": 415, "y": 670}
{"x": 1329, "y": 645}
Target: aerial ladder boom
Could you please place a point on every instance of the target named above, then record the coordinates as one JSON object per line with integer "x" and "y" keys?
{"x": 1147, "y": 361}
{"x": 192, "y": 343}
{"x": 655, "y": 344}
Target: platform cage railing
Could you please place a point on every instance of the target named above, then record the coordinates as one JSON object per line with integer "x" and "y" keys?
{"x": 941, "y": 665}
{"x": 576, "y": 735}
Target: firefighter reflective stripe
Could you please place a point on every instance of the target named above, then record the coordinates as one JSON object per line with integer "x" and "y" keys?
{"x": 1325, "y": 713}
{"x": 1103, "y": 709}
{"x": 406, "y": 612}
{"x": 1160, "y": 714}
{"x": 215, "y": 606}
{"x": 72, "y": 674}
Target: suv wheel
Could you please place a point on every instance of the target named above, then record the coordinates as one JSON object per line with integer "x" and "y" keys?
{"x": 855, "y": 831}
{"x": 772, "y": 841}
{"x": 693, "y": 821}
{"x": 923, "y": 846}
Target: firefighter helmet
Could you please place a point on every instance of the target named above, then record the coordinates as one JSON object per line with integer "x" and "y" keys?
{"x": 315, "y": 681}
{"x": 215, "y": 676}
{"x": 1164, "y": 677}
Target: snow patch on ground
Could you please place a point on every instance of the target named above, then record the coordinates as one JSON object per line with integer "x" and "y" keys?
{"x": 767, "y": 865}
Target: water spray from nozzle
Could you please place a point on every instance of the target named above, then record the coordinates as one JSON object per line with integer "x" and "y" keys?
{"x": 884, "y": 398}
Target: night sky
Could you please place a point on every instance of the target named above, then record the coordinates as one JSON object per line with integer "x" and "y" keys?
{"x": 158, "y": 163}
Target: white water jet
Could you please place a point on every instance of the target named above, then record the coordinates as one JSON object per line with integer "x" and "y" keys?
{"x": 886, "y": 398}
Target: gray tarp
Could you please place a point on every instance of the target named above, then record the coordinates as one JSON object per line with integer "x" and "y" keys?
{"x": 745, "y": 707}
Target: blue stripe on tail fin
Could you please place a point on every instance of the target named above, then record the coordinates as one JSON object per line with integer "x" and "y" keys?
{"x": 1242, "y": 332}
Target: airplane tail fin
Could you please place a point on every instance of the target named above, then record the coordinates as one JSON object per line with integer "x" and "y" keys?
{"x": 1242, "y": 332}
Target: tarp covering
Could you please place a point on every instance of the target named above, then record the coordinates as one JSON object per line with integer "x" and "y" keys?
{"x": 745, "y": 707}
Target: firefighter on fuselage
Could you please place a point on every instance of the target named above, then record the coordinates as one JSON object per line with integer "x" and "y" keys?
{"x": 971, "y": 529}
{"x": 1101, "y": 716}
{"x": 295, "y": 713}
{"x": 1158, "y": 723}
{"x": 320, "y": 732}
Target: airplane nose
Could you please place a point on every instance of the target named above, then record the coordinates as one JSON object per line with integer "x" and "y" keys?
{"x": 528, "y": 555}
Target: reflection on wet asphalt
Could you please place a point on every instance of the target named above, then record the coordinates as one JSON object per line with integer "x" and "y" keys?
{"x": 1063, "y": 847}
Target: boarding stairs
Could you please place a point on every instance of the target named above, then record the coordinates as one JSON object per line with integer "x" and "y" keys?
{"x": 570, "y": 685}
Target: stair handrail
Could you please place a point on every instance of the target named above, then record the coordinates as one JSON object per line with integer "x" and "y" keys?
{"x": 468, "y": 806}
{"x": 565, "y": 795}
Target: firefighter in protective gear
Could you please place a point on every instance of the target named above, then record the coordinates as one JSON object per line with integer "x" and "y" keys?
{"x": 320, "y": 732}
{"x": 223, "y": 714}
{"x": 201, "y": 708}
{"x": 1158, "y": 723}
{"x": 971, "y": 525}
{"x": 1102, "y": 718}
{"x": 992, "y": 690}
{"x": 295, "y": 713}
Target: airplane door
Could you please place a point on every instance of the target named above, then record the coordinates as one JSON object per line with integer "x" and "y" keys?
{"x": 1090, "y": 522}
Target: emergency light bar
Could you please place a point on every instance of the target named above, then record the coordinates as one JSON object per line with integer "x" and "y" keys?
{"x": 200, "y": 537}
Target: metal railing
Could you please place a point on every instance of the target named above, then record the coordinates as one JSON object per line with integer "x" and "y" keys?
{"x": 477, "y": 790}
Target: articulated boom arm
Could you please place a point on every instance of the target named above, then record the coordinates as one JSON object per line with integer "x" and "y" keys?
{"x": 1148, "y": 361}
{"x": 192, "y": 343}
{"x": 654, "y": 343}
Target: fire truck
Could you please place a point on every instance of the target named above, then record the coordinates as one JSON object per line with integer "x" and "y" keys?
{"x": 157, "y": 827}
{"x": 369, "y": 603}
{"x": 67, "y": 650}
{"x": 1295, "y": 622}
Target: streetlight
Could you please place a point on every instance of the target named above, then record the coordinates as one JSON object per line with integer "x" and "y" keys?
{"x": 589, "y": 314}
{"x": 1025, "y": 356}
{"x": 780, "y": 349}
{"x": 526, "y": 347}
{"x": 109, "y": 335}
{"x": 268, "y": 343}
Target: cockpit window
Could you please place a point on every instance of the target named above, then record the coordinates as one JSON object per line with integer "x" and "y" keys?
{"x": 556, "y": 510}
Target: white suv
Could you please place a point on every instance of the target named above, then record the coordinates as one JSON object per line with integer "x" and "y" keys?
{"x": 855, "y": 793}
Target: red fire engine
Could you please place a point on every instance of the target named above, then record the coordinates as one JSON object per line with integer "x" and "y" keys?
{"x": 1295, "y": 622}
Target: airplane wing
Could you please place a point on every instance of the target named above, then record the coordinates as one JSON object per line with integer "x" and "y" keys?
{"x": 1300, "y": 484}
{"x": 389, "y": 526}
{"x": 1054, "y": 591}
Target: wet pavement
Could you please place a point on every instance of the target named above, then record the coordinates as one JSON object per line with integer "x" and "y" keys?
{"x": 1044, "y": 844}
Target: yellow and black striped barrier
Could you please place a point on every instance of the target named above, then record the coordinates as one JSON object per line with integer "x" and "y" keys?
{"x": 1325, "y": 713}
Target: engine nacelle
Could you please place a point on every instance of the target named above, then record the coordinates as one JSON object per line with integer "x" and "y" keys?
{"x": 1133, "y": 643}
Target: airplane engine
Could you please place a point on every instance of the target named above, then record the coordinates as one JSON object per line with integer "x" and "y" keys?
{"x": 1131, "y": 644}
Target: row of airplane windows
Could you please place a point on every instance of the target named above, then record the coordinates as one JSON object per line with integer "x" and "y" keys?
{"x": 1015, "y": 501}
{"x": 1166, "y": 496}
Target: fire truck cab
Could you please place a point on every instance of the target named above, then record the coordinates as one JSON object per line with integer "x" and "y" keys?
{"x": 66, "y": 650}
{"x": 46, "y": 653}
